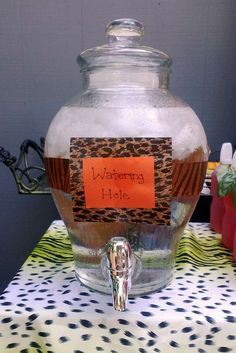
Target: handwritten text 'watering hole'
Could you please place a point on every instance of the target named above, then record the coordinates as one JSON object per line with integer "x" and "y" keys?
{"x": 119, "y": 182}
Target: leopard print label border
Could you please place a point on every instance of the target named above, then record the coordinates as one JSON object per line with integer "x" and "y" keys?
{"x": 159, "y": 148}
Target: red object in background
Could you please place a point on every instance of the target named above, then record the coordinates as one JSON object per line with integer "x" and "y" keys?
{"x": 229, "y": 223}
{"x": 229, "y": 220}
{"x": 217, "y": 209}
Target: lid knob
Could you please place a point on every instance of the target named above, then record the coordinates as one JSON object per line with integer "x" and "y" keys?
{"x": 124, "y": 32}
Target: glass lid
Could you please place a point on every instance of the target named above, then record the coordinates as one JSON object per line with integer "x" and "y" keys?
{"x": 124, "y": 48}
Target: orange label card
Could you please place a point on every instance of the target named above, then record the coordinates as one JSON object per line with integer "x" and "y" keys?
{"x": 126, "y": 182}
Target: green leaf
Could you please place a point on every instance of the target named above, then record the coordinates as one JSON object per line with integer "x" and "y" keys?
{"x": 226, "y": 182}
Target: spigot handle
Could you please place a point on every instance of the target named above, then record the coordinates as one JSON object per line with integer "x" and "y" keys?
{"x": 118, "y": 252}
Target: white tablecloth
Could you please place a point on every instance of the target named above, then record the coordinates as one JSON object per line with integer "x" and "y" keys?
{"x": 46, "y": 310}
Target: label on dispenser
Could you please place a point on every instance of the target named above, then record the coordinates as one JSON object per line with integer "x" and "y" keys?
{"x": 121, "y": 179}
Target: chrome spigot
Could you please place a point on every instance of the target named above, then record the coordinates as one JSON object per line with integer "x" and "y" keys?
{"x": 118, "y": 252}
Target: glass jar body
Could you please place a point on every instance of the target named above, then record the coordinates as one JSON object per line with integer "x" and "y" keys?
{"x": 138, "y": 107}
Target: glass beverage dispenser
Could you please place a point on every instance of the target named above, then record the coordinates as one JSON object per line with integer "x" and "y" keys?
{"x": 126, "y": 162}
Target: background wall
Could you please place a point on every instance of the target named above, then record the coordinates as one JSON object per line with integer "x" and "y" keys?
{"x": 39, "y": 43}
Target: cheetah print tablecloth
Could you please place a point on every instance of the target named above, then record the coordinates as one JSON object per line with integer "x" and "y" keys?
{"x": 46, "y": 310}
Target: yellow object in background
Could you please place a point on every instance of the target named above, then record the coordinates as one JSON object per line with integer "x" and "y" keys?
{"x": 211, "y": 166}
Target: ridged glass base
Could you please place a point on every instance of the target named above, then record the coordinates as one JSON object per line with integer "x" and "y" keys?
{"x": 143, "y": 284}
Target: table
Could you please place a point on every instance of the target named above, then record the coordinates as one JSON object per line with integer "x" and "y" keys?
{"x": 46, "y": 310}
